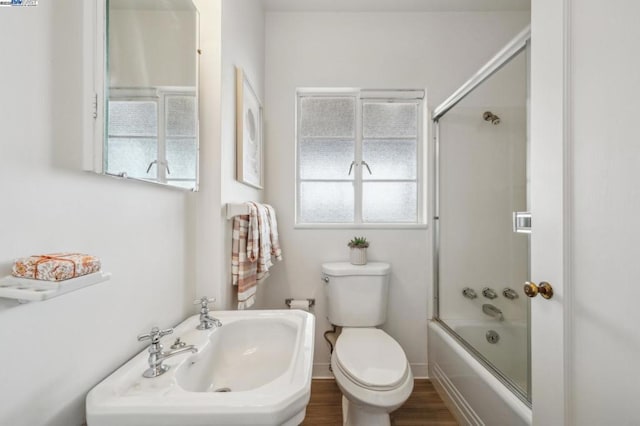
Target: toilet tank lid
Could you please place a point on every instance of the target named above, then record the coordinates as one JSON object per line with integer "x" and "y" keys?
{"x": 337, "y": 269}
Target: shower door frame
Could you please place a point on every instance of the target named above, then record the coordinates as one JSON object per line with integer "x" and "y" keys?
{"x": 520, "y": 43}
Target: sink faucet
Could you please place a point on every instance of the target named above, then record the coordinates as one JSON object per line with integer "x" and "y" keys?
{"x": 157, "y": 356}
{"x": 206, "y": 322}
{"x": 492, "y": 311}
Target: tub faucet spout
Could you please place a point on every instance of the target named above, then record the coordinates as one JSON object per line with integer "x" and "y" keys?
{"x": 492, "y": 311}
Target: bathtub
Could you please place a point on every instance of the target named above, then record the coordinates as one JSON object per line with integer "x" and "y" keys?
{"x": 472, "y": 392}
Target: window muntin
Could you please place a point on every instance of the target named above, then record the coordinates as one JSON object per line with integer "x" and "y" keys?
{"x": 336, "y": 130}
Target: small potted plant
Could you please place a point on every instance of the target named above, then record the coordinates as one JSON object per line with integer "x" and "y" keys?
{"x": 358, "y": 246}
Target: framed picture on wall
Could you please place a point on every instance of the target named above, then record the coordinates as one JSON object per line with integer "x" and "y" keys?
{"x": 248, "y": 133}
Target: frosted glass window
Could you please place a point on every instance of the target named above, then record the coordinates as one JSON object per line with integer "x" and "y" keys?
{"x": 325, "y": 158}
{"x": 338, "y": 136}
{"x": 182, "y": 158}
{"x": 326, "y": 202}
{"x": 389, "y": 120}
{"x": 389, "y": 202}
{"x": 181, "y": 115}
{"x": 133, "y": 118}
{"x": 327, "y": 117}
{"x": 390, "y": 159}
{"x": 132, "y": 156}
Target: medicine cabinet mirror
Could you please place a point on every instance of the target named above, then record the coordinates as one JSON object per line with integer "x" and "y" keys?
{"x": 146, "y": 91}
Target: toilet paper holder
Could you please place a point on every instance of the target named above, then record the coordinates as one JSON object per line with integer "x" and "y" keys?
{"x": 312, "y": 302}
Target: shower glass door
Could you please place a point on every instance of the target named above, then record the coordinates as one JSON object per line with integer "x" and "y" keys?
{"x": 482, "y": 263}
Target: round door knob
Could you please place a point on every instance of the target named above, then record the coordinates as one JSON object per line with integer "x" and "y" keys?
{"x": 532, "y": 290}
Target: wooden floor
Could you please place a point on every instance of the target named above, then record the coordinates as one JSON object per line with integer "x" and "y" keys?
{"x": 424, "y": 406}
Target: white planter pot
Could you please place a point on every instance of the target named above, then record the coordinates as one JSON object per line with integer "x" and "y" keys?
{"x": 358, "y": 256}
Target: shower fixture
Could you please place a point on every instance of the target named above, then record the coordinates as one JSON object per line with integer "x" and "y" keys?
{"x": 492, "y": 311}
{"x": 469, "y": 293}
{"x": 489, "y": 293}
{"x": 491, "y": 117}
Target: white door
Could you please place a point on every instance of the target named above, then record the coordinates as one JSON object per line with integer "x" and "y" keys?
{"x": 549, "y": 190}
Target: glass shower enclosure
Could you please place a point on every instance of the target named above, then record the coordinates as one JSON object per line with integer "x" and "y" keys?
{"x": 481, "y": 227}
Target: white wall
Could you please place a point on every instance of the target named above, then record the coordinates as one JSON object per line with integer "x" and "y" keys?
{"x": 206, "y": 230}
{"x": 54, "y": 352}
{"x": 242, "y": 46}
{"x": 436, "y": 51}
{"x": 605, "y": 88}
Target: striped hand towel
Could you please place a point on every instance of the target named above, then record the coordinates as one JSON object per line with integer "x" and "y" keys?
{"x": 255, "y": 241}
{"x": 243, "y": 270}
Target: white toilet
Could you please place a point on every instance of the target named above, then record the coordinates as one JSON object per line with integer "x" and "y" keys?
{"x": 370, "y": 367}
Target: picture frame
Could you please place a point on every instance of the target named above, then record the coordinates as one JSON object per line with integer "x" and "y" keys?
{"x": 249, "y": 141}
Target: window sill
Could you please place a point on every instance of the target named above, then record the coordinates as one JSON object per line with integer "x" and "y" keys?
{"x": 360, "y": 226}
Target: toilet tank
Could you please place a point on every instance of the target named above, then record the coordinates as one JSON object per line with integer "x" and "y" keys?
{"x": 356, "y": 294}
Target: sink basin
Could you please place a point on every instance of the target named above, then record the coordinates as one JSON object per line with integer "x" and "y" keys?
{"x": 254, "y": 370}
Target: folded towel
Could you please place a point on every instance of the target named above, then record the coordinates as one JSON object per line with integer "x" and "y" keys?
{"x": 263, "y": 254}
{"x": 55, "y": 266}
{"x": 273, "y": 226}
{"x": 255, "y": 241}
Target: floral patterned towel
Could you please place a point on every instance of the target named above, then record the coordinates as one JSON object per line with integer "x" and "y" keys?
{"x": 55, "y": 266}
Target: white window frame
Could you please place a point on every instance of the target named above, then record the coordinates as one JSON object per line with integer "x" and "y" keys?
{"x": 401, "y": 96}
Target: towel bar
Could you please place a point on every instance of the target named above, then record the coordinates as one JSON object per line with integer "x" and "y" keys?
{"x": 237, "y": 209}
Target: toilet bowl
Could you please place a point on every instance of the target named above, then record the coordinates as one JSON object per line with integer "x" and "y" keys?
{"x": 373, "y": 374}
{"x": 369, "y": 366}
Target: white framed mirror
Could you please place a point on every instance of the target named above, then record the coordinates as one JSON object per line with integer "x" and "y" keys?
{"x": 145, "y": 101}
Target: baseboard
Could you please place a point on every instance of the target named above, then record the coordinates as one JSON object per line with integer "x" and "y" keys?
{"x": 420, "y": 371}
{"x": 321, "y": 371}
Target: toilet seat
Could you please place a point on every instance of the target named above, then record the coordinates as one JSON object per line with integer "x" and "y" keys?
{"x": 371, "y": 358}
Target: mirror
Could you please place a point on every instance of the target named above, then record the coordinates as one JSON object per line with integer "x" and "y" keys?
{"x": 151, "y": 91}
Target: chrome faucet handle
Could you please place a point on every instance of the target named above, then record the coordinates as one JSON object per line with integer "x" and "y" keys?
{"x": 204, "y": 301}
{"x": 155, "y": 334}
{"x": 489, "y": 293}
{"x": 206, "y": 322}
{"x": 469, "y": 293}
{"x": 510, "y": 293}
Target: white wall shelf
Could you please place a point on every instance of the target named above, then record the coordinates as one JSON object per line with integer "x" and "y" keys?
{"x": 28, "y": 290}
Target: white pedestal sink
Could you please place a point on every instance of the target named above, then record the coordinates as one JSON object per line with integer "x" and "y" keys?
{"x": 254, "y": 370}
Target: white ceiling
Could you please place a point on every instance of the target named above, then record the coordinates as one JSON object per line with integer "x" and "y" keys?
{"x": 395, "y": 5}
